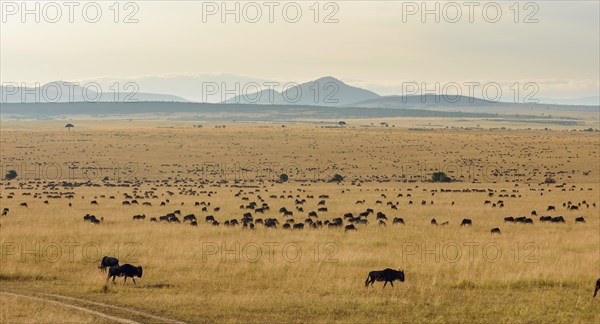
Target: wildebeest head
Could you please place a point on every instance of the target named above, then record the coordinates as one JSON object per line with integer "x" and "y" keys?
{"x": 139, "y": 271}
{"x": 401, "y": 275}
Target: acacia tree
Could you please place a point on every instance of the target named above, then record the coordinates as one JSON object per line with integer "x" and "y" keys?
{"x": 69, "y": 126}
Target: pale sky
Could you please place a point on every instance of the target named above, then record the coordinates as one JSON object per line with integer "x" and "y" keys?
{"x": 370, "y": 45}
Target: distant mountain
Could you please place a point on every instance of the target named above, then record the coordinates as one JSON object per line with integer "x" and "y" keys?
{"x": 466, "y": 104}
{"x": 586, "y": 101}
{"x": 418, "y": 101}
{"x": 326, "y": 91}
{"x": 61, "y": 91}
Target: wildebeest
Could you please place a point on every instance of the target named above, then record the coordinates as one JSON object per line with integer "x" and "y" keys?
{"x": 23, "y": 205}
{"x": 398, "y": 220}
{"x": 387, "y": 275}
{"x": 597, "y": 287}
{"x": 190, "y": 217}
{"x": 558, "y": 219}
{"x": 5, "y": 211}
{"x": 466, "y": 221}
{"x": 495, "y": 230}
{"x": 139, "y": 216}
{"x": 108, "y": 262}
{"x": 350, "y": 227}
{"x": 433, "y": 221}
{"x": 580, "y": 220}
{"x": 126, "y": 270}
{"x": 550, "y": 208}
{"x": 509, "y": 219}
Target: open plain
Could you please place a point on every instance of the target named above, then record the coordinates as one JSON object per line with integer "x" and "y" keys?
{"x": 538, "y": 271}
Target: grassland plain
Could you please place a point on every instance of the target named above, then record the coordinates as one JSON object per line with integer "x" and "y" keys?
{"x": 530, "y": 273}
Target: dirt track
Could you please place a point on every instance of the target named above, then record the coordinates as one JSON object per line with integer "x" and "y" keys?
{"x": 105, "y": 311}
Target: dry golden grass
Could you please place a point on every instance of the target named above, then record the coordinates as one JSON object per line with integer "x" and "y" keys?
{"x": 544, "y": 272}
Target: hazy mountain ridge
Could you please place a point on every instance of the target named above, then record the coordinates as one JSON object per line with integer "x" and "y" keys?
{"x": 325, "y": 91}
{"x": 62, "y": 91}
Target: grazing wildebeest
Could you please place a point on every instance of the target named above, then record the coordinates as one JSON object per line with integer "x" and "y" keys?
{"x": 381, "y": 222}
{"x": 108, "y": 262}
{"x": 126, "y": 270}
{"x": 466, "y": 221}
{"x": 558, "y": 219}
{"x": 597, "y": 287}
{"x": 495, "y": 230}
{"x": 93, "y": 202}
{"x": 153, "y": 219}
{"x": 190, "y": 217}
{"x": 545, "y": 218}
{"x": 139, "y": 216}
{"x": 23, "y": 205}
{"x": 194, "y": 223}
{"x": 550, "y": 208}
{"x": 509, "y": 219}
{"x": 209, "y": 218}
{"x": 387, "y": 275}
{"x": 579, "y": 220}
{"x": 574, "y": 208}
{"x": 398, "y": 220}
{"x": 5, "y": 211}
{"x": 298, "y": 226}
{"x": 350, "y": 227}
{"x": 433, "y": 221}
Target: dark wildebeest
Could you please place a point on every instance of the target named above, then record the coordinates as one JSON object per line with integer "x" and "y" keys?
{"x": 126, "y": 270}
{"x": 398, "y": 220}
{"x": 558, "y": 219}
{"x": 495, "y": 230}
{"x": 433, "y": 221}
{"x": 190, "y": 217}
{"x": 509, "y": 219}
{"x": 579, "y": 220}
{"x": 550, "y": 208}
{"x": 5, "y": 211}
{"x": 350, "y": 227}
{"x": 139, "y": 216}
{"x": 108, "y": 262}
{"x": 597, "y": 287}
{"x": 23, "y": 205}
{"x": 387, "y": 275}
{"x": 466, "y": 221}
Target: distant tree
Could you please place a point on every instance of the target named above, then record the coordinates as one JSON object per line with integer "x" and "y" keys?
{"x": 342, "y": 123}
{"x": 440, "y": 177}
{"x": 11, "y": 174}
{"x": 337, "y": 178}
{"x": 69, "y": 126}
{"x": 283, "y": 177}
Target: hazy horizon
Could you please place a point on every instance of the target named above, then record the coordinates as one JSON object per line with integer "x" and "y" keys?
{"x": 370, "y": 46}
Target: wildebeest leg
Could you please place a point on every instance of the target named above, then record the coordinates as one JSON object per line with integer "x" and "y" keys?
{"x": 132, "y": 278}
{"x": 125, "y": 281}
{"x": 367, "y": 282}
{"x": 392, "y": 283}
{"x": 114, "y": 277}
{"x": 385, "y": 284}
